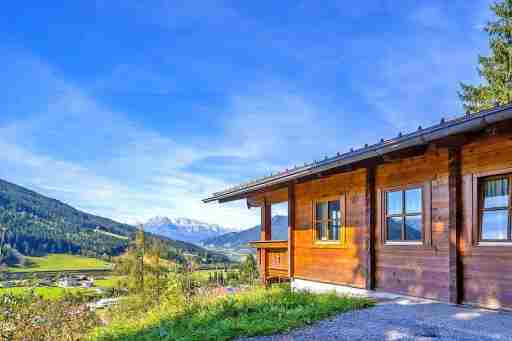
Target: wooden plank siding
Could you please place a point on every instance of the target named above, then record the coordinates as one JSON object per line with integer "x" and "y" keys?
{"x": 340, "y": 264}
{"x": 416, "y": 270}
{"x": 449, "y": 265}
{"x": 487, "y": 279}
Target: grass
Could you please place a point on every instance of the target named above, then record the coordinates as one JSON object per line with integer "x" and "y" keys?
{"x": 61, "y": 262}
{"x": 108, "y": 282}
{"x": 256, "y": 312}
{"x": 53, "y": 293}
{"x": 47, "y": 293}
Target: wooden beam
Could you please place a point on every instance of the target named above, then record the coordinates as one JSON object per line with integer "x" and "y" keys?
{"x": 291, "y": 227}
{"x": 454, "y": 225}
{"x": 405, "y": 154}
{"x": 371, "y": 201}
{"x": 265, "y": 234}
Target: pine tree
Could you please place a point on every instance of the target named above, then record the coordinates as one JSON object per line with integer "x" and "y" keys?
{"x": 140, "y": 244}
{"x": 496, "y": 69}
{"x": 3, "y": 232}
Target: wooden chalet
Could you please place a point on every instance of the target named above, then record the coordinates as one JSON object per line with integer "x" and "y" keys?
{"x": 426, "y": 214}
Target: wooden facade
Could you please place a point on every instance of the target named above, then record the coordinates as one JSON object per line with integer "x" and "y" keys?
{"x": 449, "y": 263}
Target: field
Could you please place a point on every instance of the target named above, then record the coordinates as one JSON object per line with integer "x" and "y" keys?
{"x": 52, "y": 293}
{"x": 61, "y": 262}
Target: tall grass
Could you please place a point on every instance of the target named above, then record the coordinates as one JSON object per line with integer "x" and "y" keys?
{"x": 255, "y": 312}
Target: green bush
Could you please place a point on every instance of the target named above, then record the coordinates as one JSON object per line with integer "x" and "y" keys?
{"x": 31, "y": 318}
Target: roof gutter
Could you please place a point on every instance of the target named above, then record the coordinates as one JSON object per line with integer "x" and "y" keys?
{"x": 418, "y": 138}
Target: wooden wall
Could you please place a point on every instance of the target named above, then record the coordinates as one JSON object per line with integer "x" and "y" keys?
{"x": 487, "y": 270}
{"x": 339, "y": 264}
{"x": 421, "y": 271}
{"x": 416, "y": 270}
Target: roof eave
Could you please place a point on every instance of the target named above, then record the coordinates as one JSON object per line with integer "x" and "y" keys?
{"x": 418, "y": 138}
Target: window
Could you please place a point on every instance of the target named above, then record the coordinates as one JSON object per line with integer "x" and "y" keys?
{"x": 328, "y": 220}
{"x": 494, "y": 209}
{"x": 404, "y": 215}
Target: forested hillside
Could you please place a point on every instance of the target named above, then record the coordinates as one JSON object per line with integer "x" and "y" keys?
{"x": 36, "y": 225}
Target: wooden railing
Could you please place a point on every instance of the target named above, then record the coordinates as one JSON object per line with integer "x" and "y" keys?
{"x": 273, "y": 259}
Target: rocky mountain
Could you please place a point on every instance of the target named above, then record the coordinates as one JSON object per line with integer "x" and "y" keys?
{"x": 184, "y": 229}
{"x": 35, "y": 225}
{"x": 239, "y": 240}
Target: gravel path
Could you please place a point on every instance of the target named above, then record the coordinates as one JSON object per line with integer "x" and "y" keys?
{"x": 407, "y": 319}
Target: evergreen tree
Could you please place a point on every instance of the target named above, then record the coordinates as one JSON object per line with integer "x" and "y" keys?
{"x": 140, "y": 244}
{"x": 3, "y": 246}
{"x": 495, "y": 69}
{"x": 249, "y": 269}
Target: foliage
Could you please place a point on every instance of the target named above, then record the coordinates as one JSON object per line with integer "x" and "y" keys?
{"x": 11, "y": 257}
{"x": 143, "y": 268}
{"x": 52, "y": 293}
{"x": 495, "y": 69}
{"x": 255, "y": 312}
{"x": 249, "y": 269}
{"x": 30, "y": 318}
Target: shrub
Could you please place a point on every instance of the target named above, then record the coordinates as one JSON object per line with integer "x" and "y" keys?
{"x": 30, "y": 318}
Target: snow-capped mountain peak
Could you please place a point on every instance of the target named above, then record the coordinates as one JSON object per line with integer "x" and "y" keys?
{"x": 186, "y": 229}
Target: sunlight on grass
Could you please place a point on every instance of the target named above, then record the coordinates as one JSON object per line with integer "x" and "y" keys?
{"x": 256, "y": 312}
{"x": 61, "y": 262}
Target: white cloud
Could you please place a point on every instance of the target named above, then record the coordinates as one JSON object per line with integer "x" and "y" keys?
{"x": 72, "y": 148}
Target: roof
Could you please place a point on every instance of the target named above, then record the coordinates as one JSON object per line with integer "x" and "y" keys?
{"x": 422, "y": 136}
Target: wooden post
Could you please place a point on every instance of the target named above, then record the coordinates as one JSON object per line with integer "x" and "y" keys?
{"x": 371, "y": 201}
{"x": 454, "y": 226}
{"x": 266, "y": 234}
{"x": 291, "y": 227}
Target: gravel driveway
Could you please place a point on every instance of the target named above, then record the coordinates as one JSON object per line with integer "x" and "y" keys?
{"x": 407, "y": 319}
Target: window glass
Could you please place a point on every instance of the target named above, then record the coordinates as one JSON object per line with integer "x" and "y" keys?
{"x": 394, "y": 228}
{"x": 321, "y": 231}
{"x": 413, "y": 200}
{"x": 394, "y": 202}
{"x": 334, "y": 211}
{"x": 413, "y": 227}
{"x": 321, "y": 211}
{"x": 496, "y": 193}
{"x": 495, "y": 225}
{"x": 404, "y": 217}
{"x": 334, "y": 231}
{"x": 328, "y": 220}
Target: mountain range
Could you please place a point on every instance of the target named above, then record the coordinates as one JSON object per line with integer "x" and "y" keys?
{"x": 239, "y": 240}
{"x": 188, "y": 230}
{"x": 36, "y": 225}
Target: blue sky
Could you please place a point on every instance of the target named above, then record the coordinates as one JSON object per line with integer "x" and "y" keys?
{"x": 131, "y": 109}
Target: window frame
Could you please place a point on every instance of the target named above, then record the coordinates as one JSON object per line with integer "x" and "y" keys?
{"x": 426, "y": 215}
{"x": 343, "y": 222}
{"x": 480, "y": 181}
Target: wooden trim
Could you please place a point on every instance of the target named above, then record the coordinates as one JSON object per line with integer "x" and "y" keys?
{"x": 454, "y": 225}
{"x": 269, "y": 244}
{"x": 370, "y": 226}
{"x": 426, "y": 215}
{"x": 476, "y": 239}
{"x": 502, "y": 171}
{"x": 342, "y": 242}
{"x": 266, "y": 220}
{"x": 291, "y": 228}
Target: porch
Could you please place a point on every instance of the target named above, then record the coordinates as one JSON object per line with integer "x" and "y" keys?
{"x": 275, "y": 257}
